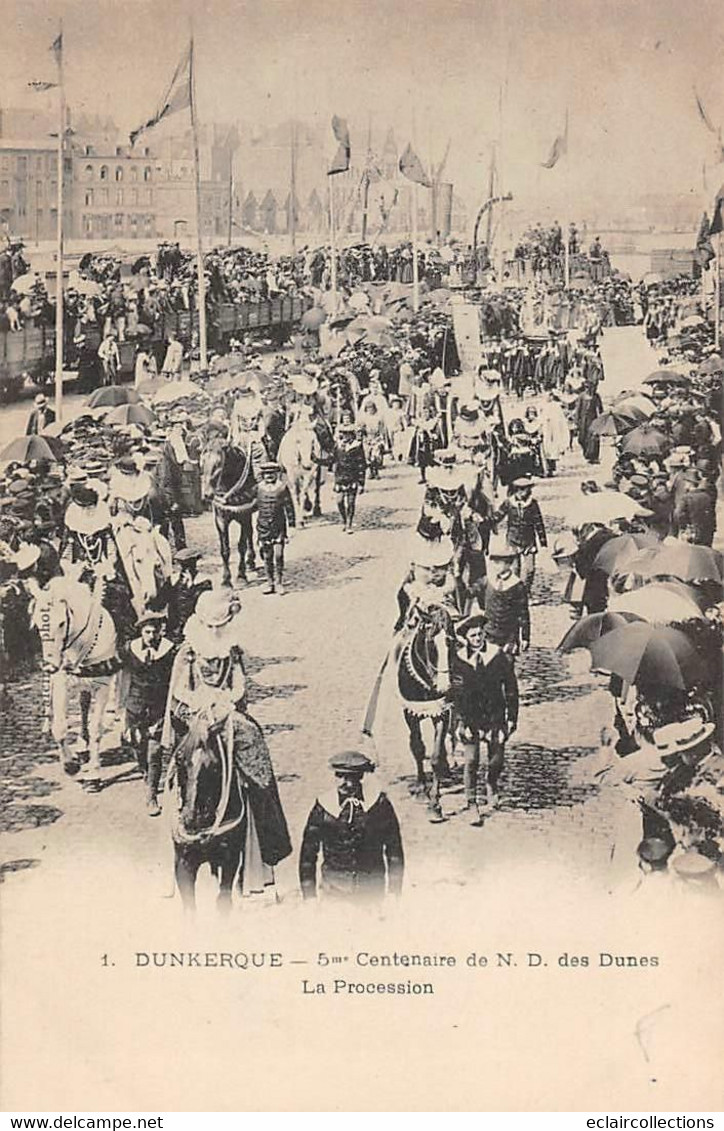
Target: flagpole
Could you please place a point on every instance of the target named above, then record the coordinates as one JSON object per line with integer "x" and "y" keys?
{"x": 59, "y": 238}
{"x": 333, "y": 244}
{"x": 415, "y": 263}
{"x": 201, "y": 278}
{"x": 717, "y": 294}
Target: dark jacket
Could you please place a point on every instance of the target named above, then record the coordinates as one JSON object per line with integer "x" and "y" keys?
{"x": 33, "y": 427}
{"x": 486, "y": 693}
{"x": 357, "y": 855}
{"x": 507, "y": 617}
{"x": 349, "y": 465}
{"x": 148, "y": 689}
{"x": 275, "y": 511}
{"x": 525, "y": 525}
{"x": 696, "y": 517}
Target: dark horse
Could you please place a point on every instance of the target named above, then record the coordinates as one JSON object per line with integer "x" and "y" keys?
{"x": 227, "y": 477}
{"x": 209, "y": 817}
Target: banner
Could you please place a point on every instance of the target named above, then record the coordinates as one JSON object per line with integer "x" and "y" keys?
{"x": 177, "y": 96}
{"x": 442, "y": 201}
{"x": 466, "y": 324}
{"x": 341, "y": 160}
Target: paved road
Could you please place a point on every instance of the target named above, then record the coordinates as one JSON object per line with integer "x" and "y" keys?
{"x": 313, "y": 655}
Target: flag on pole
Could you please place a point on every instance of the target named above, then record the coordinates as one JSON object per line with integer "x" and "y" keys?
{"x": 703, "y": 114}
{"x": 39, "y": 87}
{"x": 177, "y": 96}
{"x": 558, "y": 149}
{"x": 341, "y": 161}
{"x": 57, "y": 48}
{"x": 411, "y": 167}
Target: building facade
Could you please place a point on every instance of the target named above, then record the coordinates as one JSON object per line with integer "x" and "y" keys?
{"x": 29, "y": 189}
{"x": 114, "y": 194}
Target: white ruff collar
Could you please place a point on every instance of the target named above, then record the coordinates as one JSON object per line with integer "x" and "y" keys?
{"x": 87, "y": 520}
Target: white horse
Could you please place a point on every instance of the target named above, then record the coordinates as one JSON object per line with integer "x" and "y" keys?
{"x": 79, "y": 643}
{"x": 299, "y": 454}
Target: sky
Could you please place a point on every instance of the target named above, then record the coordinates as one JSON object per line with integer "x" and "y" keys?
{"x": 433, "y": 69}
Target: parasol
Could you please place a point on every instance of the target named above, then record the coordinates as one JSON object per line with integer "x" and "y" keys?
{"x": 643, "y": 653}
{"x": 711, "y": 365}
{"x": 175, "y": 391}
{"x": 313, "y": 318}
{"x": 666, "y": 376}
{"x": 692, "y": 320}
{"x": 113, "y": 395}
{"x": 616, "y": 551}
{"x": 131, "y": 414}
{"x": 589, "y": 629}
{"x": 24, "y": 284}
{"x": 633, "y": 400}
{"x": 604, "y": 507}
{"x": 683, "y": 560}
{"x": 25, "y": 449}
{"x": 661, "y": 603}
{"x": 615, "y": 422}
{"x": 645, "y": 440}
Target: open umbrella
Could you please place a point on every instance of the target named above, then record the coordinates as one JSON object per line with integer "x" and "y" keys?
{"x": 661, "y": 603}
{"x": 643, "y": 653}
{"x": 24, "y": 284}
{"x": 645, "y": 440}
{"x": 666, "y": 377}
{"x": 313, "y": 318}
{"x": 615, "y": 423}
{"x": 131, "y": 414}
{"x": 591, "y": 628}
{"x": 691, "y": 320}
{"x": 604, "y": 507}
{"x": 617, "y": 550}
{"x": 175, "y": 391}
{"x": 113, "y": 395}
{"x": 635, "y": 402}
{"x": 25, "y": 449}
{"x": 711, "y": 365}
{"x": 684, "y": 560}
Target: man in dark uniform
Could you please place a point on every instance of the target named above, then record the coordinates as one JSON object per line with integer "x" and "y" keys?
{"x": 149, "y": 661}
{"x": 274, "y": 520}
{"x": 526, "y": 529}
{"x": 359, "y": 839}
{"x": 41, "y": 416}
{"x": 350, "y": 468}
{"x": 185, "y": 593}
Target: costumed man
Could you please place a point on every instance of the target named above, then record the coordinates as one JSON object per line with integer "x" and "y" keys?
{"x": 359, "y": 839}
{"x": 168, "y": 480}
{"x": 274, "y": 522}
{"x": 427, "y": 438}
{"x": 205, "y": 711}
{"x": 41, "y": 416}
{"x": 526, "y": 529}
{"x": 145, "y": 553}
{"x": 588, "y": 408}
{"x": 504, "y": 599}
{"x": 485, "y": 690}
{"x": 554, "y": 432}
{"x": 149, "y": 660}
{"x": 185, "y": 592}
{"x": 349, "y": 468}
{"x": 173, "y": 361}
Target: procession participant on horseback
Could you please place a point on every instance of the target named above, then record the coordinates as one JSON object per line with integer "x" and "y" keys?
{"x": 274, "y": 521}
{"x": 228, "y": 479}
{"x": 221, "y": 792}
{"x": 79, "y": 643}
{"x": 349, "y": 467}
{"x": 144, "y": 552}
{"x": 423, "y": 653}
{"x": 486, "y": 698}
{"x": 149, "y": 660}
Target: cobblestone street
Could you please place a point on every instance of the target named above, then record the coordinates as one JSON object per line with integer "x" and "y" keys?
{"x": 312, "y": 657}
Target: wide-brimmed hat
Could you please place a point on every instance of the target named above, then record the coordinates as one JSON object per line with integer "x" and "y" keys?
{"x": 468, "y": 413}
{"x": 352, "y": 762}
{"x": 150, "y": 617}
{"x": 431, "y": 554}
{"x": 187, "y": 556}
{"x": 215, "y": 626}
{"x": 521, "y": 484}
{"x": 127, "y": 482}
{"x": 500, "y": 547}
{"x": 677, "y": 738}
{"x": 446, "y": 457}
{"x": 694, "y": 866}
{"x": 26, "y": 556}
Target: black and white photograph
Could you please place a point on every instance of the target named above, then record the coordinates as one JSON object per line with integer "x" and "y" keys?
{"x": 361, "y": 555}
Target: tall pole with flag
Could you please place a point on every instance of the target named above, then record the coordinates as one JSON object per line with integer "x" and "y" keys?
{"x": 57, "y": 49}
{"x": 559, "y": 149}
{"x": 715, "y": 230}
{"x": 340, "y": 164}
{"x": 411, "y": 167}
{"x": 180, "y": 95}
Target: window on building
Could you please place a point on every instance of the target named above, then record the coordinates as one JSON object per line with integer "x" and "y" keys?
{"x": 119, "y": 196}
{"x": 68, "y": 165}
{"x": 89, "y": 198}
{"x": 6, "y": 165}
{"x": 133, "y": 172}
{"x": 149, "y": 196}
{"x": 88, "y": 225}
{"x": 104, "y": 196}
{"x": 104, "y": 173}
{"x": 118, "y": 219}
{"x": 39, "y": 163}
{"x": 147, "y": 173}
{"x": 119, "y": 151}
{"x": 119, "y": 173}
{"x": 88, "y": 171}
{"x": 4, "y": 189}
